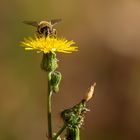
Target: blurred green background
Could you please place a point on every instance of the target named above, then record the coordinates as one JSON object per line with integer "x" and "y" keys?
{"x": 108, "y": 36}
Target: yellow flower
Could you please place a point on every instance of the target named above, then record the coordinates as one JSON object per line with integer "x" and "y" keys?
{"x": 49, "y": 44}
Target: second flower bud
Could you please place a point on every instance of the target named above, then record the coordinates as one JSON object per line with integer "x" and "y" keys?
{"x": 55, "y": 78}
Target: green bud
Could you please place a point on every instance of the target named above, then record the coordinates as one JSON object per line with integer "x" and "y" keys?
{"x": 55, "y": 80}
{"x": 49, "y": 62}
{"x": 74, "y": 117}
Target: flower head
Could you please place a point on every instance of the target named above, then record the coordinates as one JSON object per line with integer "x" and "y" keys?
{"x": 49, "y": 44}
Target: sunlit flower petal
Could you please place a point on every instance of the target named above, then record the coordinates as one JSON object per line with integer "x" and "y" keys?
{"x": 49, "y": 44}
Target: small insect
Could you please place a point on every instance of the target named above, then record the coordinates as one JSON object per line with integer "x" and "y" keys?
{"x": 44, "y": 27}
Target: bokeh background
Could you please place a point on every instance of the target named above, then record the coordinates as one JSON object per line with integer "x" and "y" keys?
{"x": 108, "y": 35}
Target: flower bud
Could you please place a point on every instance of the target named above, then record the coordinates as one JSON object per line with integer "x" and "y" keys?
{"x": 55, "y": 80}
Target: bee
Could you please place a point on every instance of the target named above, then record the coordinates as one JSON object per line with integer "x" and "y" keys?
{"x": 44, "y": 27}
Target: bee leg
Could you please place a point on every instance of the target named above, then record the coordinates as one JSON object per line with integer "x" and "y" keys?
{"x": 54, "y": 32}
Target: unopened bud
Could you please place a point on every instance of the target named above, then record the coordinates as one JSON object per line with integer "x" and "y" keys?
{"x": 89, "y": 95}
{"x": 55, "y": 80}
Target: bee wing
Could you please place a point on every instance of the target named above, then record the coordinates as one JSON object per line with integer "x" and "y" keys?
{"x": 33, "y": 23}
{"x": 55, "y": 21}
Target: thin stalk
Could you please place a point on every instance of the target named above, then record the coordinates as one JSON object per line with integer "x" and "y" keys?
{"x": 59, "y": 132}
{"x": 49, "y": 112}
{"x": 77, "y": 134}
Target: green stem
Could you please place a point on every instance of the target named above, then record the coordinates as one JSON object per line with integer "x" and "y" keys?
{"x": 49, "y": 113}
{"x": 77, "y": 134}
{"x": 59, "y": 132}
